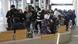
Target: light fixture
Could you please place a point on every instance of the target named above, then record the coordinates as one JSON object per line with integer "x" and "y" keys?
{"x": 28, "y": 1}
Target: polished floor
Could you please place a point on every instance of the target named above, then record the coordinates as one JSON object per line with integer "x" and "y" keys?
{"x": 74, "y": 39}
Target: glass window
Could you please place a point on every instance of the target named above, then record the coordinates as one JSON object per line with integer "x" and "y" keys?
{"x": 59, "y": 4}
{"x": 31, "y": 1}
{"x": 62, "y": 1}
{"x": 62, "y": 7}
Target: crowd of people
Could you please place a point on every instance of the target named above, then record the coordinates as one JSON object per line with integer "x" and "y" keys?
{"x": 68, "y": 16}
{"x": 45, "y": 21}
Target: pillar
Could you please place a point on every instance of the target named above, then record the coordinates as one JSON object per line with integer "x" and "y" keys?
{"x": 5, "y": 8}
{"x": 76, "y": 12}
{"x": 75, "y": 4}
{"x": 34, "y": 3}
{"x": 40, "y": 3}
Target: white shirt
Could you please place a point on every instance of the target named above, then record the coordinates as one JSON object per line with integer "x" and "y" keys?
{"x": 46, "y": 16}
{"x": 56, "y": 13}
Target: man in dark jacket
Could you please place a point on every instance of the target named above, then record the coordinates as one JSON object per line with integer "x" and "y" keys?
{"x": 33, "y": 18}
{"x": 73, "y": 18}
{"x": 11, "y": 18}
{"x": 11, "y": 15}
{"x": 67, "y": 20}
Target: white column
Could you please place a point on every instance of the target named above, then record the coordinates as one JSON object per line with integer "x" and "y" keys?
{"x": 34, "y": 3}
{"x": 48, "y": 4}
{"x": 3, "y": 22}
{"x": 40, "y": 3}
{"x": 44, "y": 4}
{"x": 76, "y": 12}
{"x": 6, "y": 7}
{"x": 75, "y": 4}
{"x": 22, "y": 5}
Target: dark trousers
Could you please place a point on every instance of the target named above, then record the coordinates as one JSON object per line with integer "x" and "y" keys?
{"x": 10, "y": 22}
{"x": 28, "y": 26}
{"x": 53, "y": 28}
{"x": 11, "y": 25}
{"x": 36, "y": 25}
{"x": 73, "y": 22}
{"x": 67, "y": 25}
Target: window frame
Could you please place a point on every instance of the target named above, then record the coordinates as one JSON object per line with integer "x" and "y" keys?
{"x": 62, "y": 4}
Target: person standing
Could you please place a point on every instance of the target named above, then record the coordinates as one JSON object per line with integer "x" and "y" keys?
{"x": 73, "y": 18}
{"x": 28, "y": 20}
{"x": 11, "y": 15}
{"x": 57, "y": 12}
{"x": 11, "y": 18}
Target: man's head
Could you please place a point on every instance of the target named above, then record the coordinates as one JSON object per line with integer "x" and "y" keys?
{"x": 12, "y": 6}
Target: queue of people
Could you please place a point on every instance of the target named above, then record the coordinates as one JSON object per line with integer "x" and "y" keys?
{"x": 45, "y": 21}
